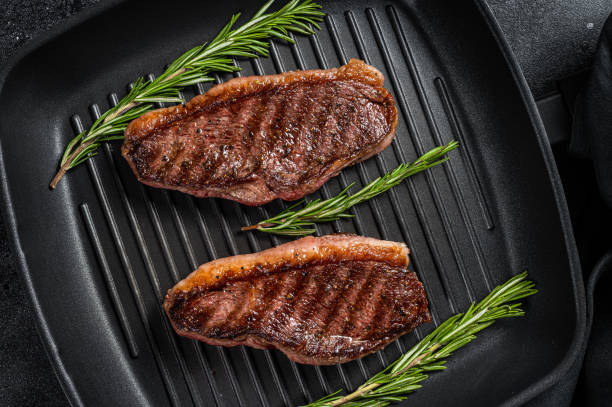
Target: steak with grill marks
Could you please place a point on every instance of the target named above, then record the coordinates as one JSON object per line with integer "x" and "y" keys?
{"x": 257, "y": 138}
{"x": 321, "y": 301}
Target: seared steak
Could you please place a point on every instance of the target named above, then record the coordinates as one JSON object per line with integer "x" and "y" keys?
{"x": 258, "y": 138}
{"x": 319, "y": 300}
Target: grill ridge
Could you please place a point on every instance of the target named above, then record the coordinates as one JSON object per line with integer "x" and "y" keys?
{"x": 221, "y": 351}
{"x": 279, "y": 66}
{"x": 245, "y": 354}
{"x": 169, "y": 258}
{"x": 294, "y": 367}
{"x": 204, "y": 232}
{"x": 466, "y": 155}
{"x": 449, "y": 168}
{"x": 127, "y": 267}
{"x": 255, "y": 247}
{"x": 383, "y": 169}
{"x": 418, "y": 204}
{"x": 160, "y": 233}
{"x": 149, "y": 265}
{"x": 356, "y": 220}
{"x": 364, "y": 177}
{"x": 191, "y": 258}
{"x": 433, "y": 186}
{"x": 214, "y": 255}
{"x": 301, "y": 64}
{"x": 361, "y": 169}
{"x": 363, "y": 172}
{"x": 180, "y": 227}
{"x": 341, "y": 54}
{"x": 109, "y": 280}
{"x": 234, "y": 249}
{"x": 148, "y": 262}
{"x": 322, "y": 62}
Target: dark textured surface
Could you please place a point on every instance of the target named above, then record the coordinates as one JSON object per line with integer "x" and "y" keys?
{"x": 26, "y": 377}
{"x": 591, "y": 133}
{"x": 594, "y": 387}
{"x": 551, "y": 39}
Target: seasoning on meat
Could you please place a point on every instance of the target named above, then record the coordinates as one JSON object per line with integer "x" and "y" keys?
{"x": 321, "y": 301}
{"x": 258, "y": 138}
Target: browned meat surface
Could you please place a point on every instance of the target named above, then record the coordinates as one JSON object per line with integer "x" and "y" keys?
{"x": 319, "y": 300}
{"x": 258, "y": 138}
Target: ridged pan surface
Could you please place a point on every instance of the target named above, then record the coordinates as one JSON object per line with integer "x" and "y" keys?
{"x": 100, "y": 251}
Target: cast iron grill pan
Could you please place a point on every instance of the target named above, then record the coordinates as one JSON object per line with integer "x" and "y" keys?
{"x": 100, "y": 252}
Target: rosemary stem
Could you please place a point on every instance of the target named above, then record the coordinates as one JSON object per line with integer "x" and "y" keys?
{"x": 175, "y": 74}
{"x": 357, "y": 393}
{"x": 62, "y": 171}
{"x": 365, "y": 389}
{"x": 298, "y": 219}
{"x": 256, "y": 226}
{"x": 127, "y": 107}
{"x": 66, "y": 165}
{"x": 418, "y": 359}
{"x": 191, "y": 68}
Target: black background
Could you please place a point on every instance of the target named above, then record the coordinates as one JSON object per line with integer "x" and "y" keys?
{"x": 554, "y": 41}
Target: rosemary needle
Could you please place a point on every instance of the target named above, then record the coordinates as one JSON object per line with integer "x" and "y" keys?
{"x": 299, "y": 222}
{"x": 195, "y": 66}
{"x": 404, "y": 375}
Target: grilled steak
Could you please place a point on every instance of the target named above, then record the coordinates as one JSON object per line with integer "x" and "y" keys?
{"x": 319, "y": 300}
{"x": 258, "y": 138}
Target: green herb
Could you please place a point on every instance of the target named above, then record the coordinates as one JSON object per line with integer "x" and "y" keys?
{"x": 404, "y": 375}
{"x": 297, "y": 222}
{"x": 250, "y": 40}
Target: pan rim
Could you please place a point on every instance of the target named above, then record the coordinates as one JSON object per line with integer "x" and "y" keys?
{"x": 575, "y": 349}
{"x": 8, "y": 212}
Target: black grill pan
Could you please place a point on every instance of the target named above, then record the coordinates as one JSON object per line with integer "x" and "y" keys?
{"x": 99, "y": 252}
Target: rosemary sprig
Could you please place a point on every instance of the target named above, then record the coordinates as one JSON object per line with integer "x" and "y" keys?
{"x": 194, "y": 66}
{"x": 404, "y": 375}
{"x": 296, "y": 222}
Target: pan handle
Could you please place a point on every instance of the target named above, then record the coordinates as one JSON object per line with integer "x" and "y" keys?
{"x": 592, "y": 128}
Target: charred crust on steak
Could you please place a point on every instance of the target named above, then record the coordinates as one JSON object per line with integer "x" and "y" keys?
{"x": 255, "y": 139}
{"x": 319, "y": 300}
